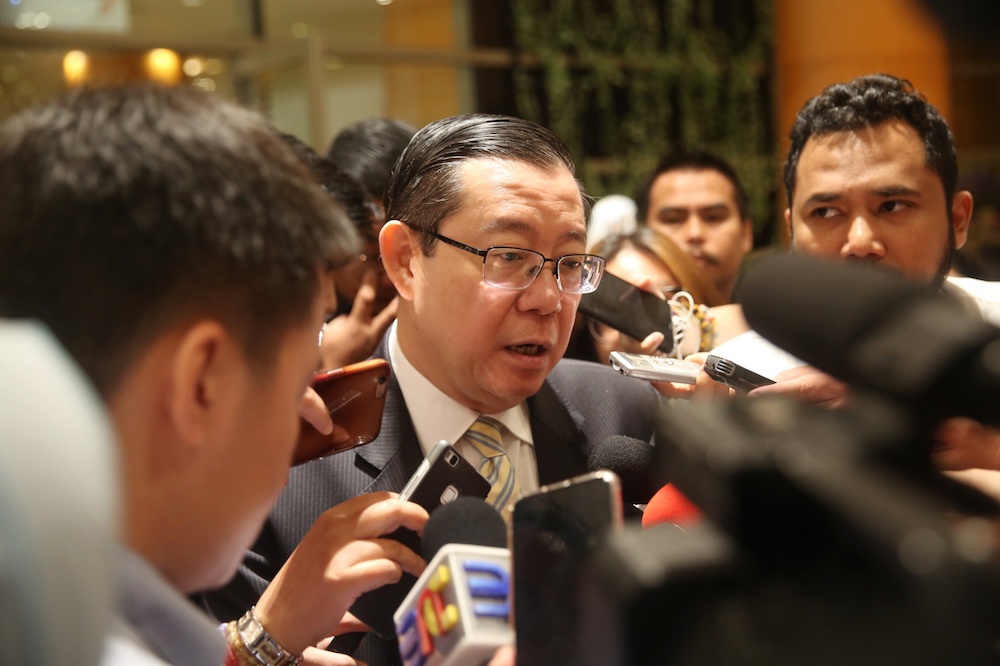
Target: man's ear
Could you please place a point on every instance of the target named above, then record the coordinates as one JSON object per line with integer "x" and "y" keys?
{"x": 788, "y": 226}
{"x": 747, "y": 240}
{"x": 206, "y": 375}
{"x": 961, "y": 216}
{"x": 398, "y": 246}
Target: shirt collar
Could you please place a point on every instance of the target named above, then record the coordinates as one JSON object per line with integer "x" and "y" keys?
{"x": 437, "y": 416}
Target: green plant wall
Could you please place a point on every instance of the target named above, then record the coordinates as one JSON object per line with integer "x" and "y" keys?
{"x": 624, "y": 82}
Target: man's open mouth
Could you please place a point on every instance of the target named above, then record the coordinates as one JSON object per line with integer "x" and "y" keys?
{"x": 527, "y": 350}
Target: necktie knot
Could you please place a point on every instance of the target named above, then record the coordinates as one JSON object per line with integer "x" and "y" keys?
{"x": 485, "y": 436}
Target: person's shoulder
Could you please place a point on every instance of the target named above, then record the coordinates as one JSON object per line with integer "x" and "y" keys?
{"x": 588, "y": 376}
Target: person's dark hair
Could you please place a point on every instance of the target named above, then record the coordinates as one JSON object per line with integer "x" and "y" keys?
{"x": 426, "y": 187}
{"x": 868, "y": 101}
{"x": 130, "y": 210}
{"x": 692, "y": 161}
{"x": 368, "y": 149}
{"x": 344, "y": 189}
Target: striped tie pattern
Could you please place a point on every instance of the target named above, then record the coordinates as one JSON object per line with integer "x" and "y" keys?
{"x": 496, "y": 468}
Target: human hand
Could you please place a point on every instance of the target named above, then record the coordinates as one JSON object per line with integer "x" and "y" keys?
{"x": 353, "y": 337}
{"x": 961, "y": 443}
{"x": 313, "y": 409}
{"x": 339, "y": 559}
{"x": 806, "y": 384}
{"x": 505, "y": 656}
{"x": 705, "y": 386}
{"x": 319, "y": 657}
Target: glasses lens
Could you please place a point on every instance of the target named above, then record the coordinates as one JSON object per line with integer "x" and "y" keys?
{"x": 511, "y": 267}
{"x": 580, "y": 273}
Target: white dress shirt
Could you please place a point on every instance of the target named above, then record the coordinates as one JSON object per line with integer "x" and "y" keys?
{"x": 436, "y": 416}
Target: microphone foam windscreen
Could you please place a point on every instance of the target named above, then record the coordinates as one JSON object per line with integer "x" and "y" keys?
{"x": 817, "y": 309}
{"x": 630, "y": 459}
{"x": 467, "y": 520}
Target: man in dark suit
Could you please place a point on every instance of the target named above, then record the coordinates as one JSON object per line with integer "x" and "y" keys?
{"x": 486, "y": 247}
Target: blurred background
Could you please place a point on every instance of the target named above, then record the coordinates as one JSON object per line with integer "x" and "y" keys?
{"x": 621, "y": 81}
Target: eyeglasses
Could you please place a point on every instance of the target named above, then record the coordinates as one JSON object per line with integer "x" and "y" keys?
{"x": 517, "y": 268}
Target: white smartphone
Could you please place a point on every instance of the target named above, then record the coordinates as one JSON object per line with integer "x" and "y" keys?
{"x": 656, "y": 368}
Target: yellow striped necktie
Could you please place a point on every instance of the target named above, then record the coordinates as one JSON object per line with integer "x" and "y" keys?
{"x": 484, "y": 435}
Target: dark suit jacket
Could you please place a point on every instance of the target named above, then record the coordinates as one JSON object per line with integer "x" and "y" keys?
{"x": 579, "y": 405}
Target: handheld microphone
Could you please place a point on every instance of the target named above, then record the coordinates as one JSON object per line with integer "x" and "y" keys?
{"x": 631, "y": 460}
{"x": 457, "y": 612}
{"x": 872, "y": 328}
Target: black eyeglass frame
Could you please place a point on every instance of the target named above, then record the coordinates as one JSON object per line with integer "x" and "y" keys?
{"x": 555, "y": 270}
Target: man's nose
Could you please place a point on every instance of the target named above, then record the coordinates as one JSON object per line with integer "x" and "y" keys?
{"x": 863, "y": 239}
{"x": 694, "y": 230}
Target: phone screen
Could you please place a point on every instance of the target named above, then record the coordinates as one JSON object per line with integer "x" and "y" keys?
{"x": 629, "y": 309}
{"x": 553, "y": 533}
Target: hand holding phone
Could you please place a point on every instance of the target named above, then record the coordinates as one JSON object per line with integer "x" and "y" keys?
{"x": 631, "y": 310}
{"x": 355, "y": 397}
{"x": 442, "y": 476}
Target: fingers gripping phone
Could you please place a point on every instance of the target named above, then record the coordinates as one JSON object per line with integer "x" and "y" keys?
{"x": 442, "y": 476}
{"x": 655, "y": 368}
{"x": 732, "y": 375}
{"x": 631, "y": 310}
{"x": 553, "y": 533}
{"x": 355, "y": 397}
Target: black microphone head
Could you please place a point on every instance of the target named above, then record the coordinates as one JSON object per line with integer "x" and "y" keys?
{"x": 817, "y": 309}
{"x": 467, "y": 520}
{"x": 631, "y": 459}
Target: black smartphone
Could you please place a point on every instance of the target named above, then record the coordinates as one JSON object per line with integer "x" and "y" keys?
{"x": 553, "y": 532}
{"x": 732, "y": 375}
{"x": 355, "y": 398}
{"x": 442, "y": 476}
{"x": 629, "y": 309}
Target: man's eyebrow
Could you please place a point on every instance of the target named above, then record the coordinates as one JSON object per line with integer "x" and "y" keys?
{"x": 721, "y": 206}
{"x": 517, "y": 225}
{"x": 823, "y": 197}
{"x": 896, "y": 191}
{"x": 663, "y": 210}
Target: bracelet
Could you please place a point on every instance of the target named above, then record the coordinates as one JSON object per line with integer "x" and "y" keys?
{"x": 253, "y": 646}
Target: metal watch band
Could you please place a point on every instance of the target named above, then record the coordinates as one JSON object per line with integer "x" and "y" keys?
{"x": 260, "y": 644}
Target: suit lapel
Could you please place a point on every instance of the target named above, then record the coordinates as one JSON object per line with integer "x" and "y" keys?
{"x": 557, "y": 429}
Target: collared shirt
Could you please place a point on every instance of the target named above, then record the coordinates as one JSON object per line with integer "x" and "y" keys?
{"x": 156, "y": 624}
{"x": 436, "y": 416}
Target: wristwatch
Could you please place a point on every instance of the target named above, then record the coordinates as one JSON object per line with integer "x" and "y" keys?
{"x": 260, "y": 644}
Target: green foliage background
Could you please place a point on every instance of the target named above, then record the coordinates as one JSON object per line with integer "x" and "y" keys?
{"x": 624, "y": 82}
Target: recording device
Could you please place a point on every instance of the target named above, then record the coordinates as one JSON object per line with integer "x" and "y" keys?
{"x": 827, "y": 536}
{"x": 458, "y": 611}
{"x": 732, "y": 375}
{"x": 655, "y": 368}
{"x": 442, "y": 477}
{"x": 629, "y": 309}
{"x": 874, "y": 329}
{"x": 553, "y": 532}
{"x": 355, "y": 397}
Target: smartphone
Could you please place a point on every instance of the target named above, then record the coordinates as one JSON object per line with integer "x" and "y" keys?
{"x": 442, "y": 476}
{"x": 732, "y": 375}
{"x": 355, "y": 397}
{"x": 629, "y": 309}
{"x": 553, "y": 532}
{"x": 656, "y": 368}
